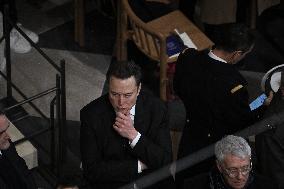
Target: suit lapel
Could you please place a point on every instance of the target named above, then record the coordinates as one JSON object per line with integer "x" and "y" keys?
{"x": 141, "y": 115}
{"x": 16, "y": 162}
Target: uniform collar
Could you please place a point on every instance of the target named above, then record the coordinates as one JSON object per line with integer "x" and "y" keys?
{"x": 212, "y": 55}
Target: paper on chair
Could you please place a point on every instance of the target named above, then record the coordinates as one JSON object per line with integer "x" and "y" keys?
{"x": 186, "y": 39}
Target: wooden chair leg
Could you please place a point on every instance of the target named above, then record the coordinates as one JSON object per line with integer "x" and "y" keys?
{"x": 163, "y": 80}
{"x": 252, "y": 14}
{"x": 122, "y": 36}
{"x": 79, "y": 19}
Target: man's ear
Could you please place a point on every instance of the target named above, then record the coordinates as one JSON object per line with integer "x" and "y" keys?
{"x": 139, "y": 88}
{"x": 238, "y": 53}
{"x": 218, "y": 166}
{"x": 234, "y": 56}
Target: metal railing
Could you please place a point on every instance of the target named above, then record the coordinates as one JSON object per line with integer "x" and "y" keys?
{"x": 205, "y": 153}
{"x": 57, "y": 120}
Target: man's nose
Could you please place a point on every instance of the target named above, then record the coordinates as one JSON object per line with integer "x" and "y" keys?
{"x": 7, "y": 136}
{"x": 120, "y": 100}
{"x": 240, "y": 175}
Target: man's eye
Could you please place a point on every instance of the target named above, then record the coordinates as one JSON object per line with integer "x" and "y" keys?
{"x": 245, "y": 168}
{"x": 232, "y": 170}
{"x": 127, "y": 95}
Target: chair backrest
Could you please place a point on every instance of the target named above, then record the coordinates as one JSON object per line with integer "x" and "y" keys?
{"x": 145, "y": 38}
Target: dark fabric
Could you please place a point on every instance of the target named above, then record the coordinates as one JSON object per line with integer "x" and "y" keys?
{"x": 2, "y": 184}
{"x": 217, "y": 181}
{"x": 214, "y": 180}
{"x": 213, "y": 110}
{"x": 108, "y": 160}
{"x": 270, "y": 145}
{"x": 10, "y": 175}
{"x": 147, "y": 10}
{"x": 12, "y": 9}
{"x": 14, "y": 171}
{"x": 188, "y": 8}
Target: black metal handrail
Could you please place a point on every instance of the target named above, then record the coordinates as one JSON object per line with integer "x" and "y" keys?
{"x": 25, "y": 97}
{"x": 39, "y": 95}
{"x": 59, "y": 101}
{"x": 271, "y": 122}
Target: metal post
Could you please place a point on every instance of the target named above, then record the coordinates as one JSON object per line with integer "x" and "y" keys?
{"x": 63, "y": 108}
{"x": 58, "y": 129}
{"x": 7, "y": 27}
{"x": 53, "y": 134}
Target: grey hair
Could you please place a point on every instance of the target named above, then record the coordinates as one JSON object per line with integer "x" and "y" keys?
{"x": 233, "y": 145}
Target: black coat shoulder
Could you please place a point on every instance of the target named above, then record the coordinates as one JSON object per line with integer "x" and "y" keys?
{"x": 98, "y": 106}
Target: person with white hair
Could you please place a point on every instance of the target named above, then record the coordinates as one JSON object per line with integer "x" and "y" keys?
{"x": 233, "y": 168}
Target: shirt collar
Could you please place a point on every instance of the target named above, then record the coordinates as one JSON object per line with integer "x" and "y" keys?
{"x": 212, "y": 55}
{"x": 132, "y": 111}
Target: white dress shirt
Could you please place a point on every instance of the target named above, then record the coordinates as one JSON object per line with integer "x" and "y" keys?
{"x": 136, "y": 139}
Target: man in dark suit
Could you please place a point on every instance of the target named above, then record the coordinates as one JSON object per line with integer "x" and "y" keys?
{"x": 124, "y": 134}
{"x": 14, "y": 173}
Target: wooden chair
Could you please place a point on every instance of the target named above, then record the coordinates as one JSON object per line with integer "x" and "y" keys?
{"x": 150, "y": 37}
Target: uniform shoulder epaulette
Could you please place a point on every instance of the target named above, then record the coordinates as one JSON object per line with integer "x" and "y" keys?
{"x": 184, "y": 50}
{"x": 236, "y": 88}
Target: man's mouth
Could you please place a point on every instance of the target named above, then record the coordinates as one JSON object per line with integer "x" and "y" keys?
{"x": 239, "y": 183}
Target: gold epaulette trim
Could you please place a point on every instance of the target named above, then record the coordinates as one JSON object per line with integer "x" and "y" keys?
{"x": 184, "y": 50}
{"x": 236, "y": 88}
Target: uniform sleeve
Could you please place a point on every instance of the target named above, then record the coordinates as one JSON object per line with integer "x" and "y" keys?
{"x": 241, "y": 114}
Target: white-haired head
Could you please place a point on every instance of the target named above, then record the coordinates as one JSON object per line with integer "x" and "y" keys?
{"x": 232, "y": 145}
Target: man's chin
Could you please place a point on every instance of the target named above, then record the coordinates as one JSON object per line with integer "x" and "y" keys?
{"x": 5, "y": 146}
{"x": 239, "y": 185}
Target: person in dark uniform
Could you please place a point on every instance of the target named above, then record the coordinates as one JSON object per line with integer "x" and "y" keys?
{"x": 214, "y": 93}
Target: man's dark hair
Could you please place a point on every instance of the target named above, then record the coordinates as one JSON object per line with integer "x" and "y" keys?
{"x": 124, "y": 70}
{"x": 1, "y": 113}
{"x": 234, "y": 37}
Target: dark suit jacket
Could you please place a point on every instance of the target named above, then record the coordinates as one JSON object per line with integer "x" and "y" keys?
{"x": 270, "y": 145}
{"x": 19, "y": 165}
{"x": 108, "y": 160}
{"x": 202, "y": 181}
{"x": 2, "y": 184}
